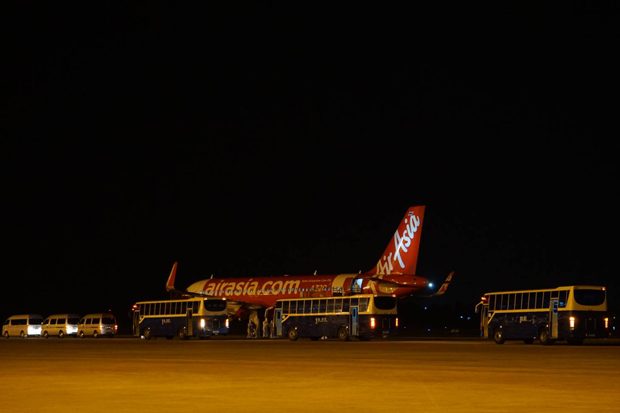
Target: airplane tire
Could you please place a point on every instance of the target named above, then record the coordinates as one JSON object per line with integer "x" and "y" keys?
{"x": 343, "y": 334}
{"x": 498, "y": 336}
{"x": 292, "y": 334}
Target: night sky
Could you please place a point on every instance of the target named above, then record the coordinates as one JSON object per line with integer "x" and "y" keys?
{"x": 267, "y": 140}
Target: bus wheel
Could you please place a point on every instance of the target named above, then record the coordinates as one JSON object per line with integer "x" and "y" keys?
{"x": 343, "y": 334}
{"x": 183, "y": 333}
{"x": 22, "y": 334}
{"x": 529, "y": 341}
{"x": 46, "y": 335}
{"x": 545, "y": 338}
{"x": 95, "y": 334}
{"x": 6, "y": 334}
{"x": 147, "y": 333}
{"x": 61, "y": 334}
{"x": 81, "y": 334}
{"x": 292, "y": 334}
{"x": 498, "y": 337}
{"x": 575, "y": 342}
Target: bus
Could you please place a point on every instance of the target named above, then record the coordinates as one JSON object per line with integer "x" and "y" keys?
{"x": 572, "y": 313}
{"x": 183, "y": 318}
{"x": 362, "y": 316}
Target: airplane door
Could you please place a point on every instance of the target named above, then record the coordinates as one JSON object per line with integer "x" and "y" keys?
{"x": 355, "y": 322}
{"x": 553, "y": 320}
{"x": 136, "y": 323}
{"x": 190, "y": 322}
{"x": 278, "y": 317}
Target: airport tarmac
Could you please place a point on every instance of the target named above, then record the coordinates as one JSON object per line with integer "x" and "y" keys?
{"x": 239, "y": 375}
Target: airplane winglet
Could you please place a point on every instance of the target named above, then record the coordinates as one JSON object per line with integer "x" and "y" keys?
{"x": 442, "y": 289}
{"x": 170, "y": 282}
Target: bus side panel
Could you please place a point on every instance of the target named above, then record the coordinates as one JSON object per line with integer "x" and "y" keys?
{"x": 162, "y": 326}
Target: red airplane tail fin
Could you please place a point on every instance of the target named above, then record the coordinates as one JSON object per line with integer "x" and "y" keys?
{"x": 171, "y": 277}
{"x": 401, "y": 254}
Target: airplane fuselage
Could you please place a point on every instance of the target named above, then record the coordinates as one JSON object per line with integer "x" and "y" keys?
{"x": 265, "y": 291}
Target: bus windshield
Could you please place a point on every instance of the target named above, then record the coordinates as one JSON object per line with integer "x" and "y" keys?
{"x": 385, "y": 302}
{"x": 215, "y": 305}
{"x": 590, "y": 297}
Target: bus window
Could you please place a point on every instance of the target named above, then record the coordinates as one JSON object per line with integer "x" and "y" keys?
{"x": 511, "y": 301}
{"x": 589, "y": 297}
{"x": 491, "y": 302}
{"x": 284, "y": 305}
{"x": 345, "y": 305}
{"x": 532, "y": 301}
{"x": 363, "y": 304}
{"x": 315, "y": 306}
{"x": 563, "y": 296}
{"x": 293, "y": 309}
{"x": 338, "y": 307}
{"x": 308, "y": 309}
{"x": 196, "y": 306}
{"x": 168, "y": 305}
{"x": 385, "y": 302}
{"x": 518, "y": 298}
{"x": 526, "y": 298}
{"x": 539, "y": 299}
{"x": 546, "y": 299}
{"x": 330, "y": 305}
{"x": 354, "y": 301}
{"x": 300, "y": 307}
{"x": 184, "y": 307}
{"x": 322, "y": 305}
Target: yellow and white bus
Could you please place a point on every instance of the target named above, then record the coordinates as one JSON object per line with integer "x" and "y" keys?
{"x": 362, "y": 316}
{"x": 572, "y": 313}
{"x": 184, "y": 318}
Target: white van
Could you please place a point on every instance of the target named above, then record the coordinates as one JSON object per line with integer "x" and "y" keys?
{"x": 60, "y": 325}
{"x": 97, "y": 324}
{"x": 22, "y": 325}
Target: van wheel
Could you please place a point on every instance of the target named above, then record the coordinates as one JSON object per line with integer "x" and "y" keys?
{"x": 545, "y": 338}
{"x": 81, "y": 334}
{"x": 22, "y": 334}
{"x": 46, "y": 335}
{"x": 61, "y": 334}
{"x": 183, "y": 333}
{"x": 6, "y": 334}
{"x": 343, "y": 334}
{"x": 95, "y": 334}
{"x": 292, "y": 334}
{"x": 498, "y": 337}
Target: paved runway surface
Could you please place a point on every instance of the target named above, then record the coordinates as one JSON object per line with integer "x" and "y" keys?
{"x": 132, "y": 375}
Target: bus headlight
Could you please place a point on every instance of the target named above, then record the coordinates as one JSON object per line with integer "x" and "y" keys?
{"x": 372, "y": 322}
{"x": 202, "y": 323}
{"x": 606, "y": 323}
{"x": 571, "y": 322}
{"x": 226, "y": 323}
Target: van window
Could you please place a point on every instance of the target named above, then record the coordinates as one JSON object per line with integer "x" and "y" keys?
{"x": 73, "y": 320}
{"x": 61, "y": 320}
{"x": 53, "y": 321}
{"x": 108, "y": 320}
{"x": 6, "y": 323}
{"x": 36, "y": 320}
{"x": 82, "y": 321}
{"x": 95, "y": 320}
{"x": 89, "y": 321}
{"x": 46, "y": 322}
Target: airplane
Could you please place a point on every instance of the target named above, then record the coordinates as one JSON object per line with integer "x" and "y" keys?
{"x": 394, "y": 274}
